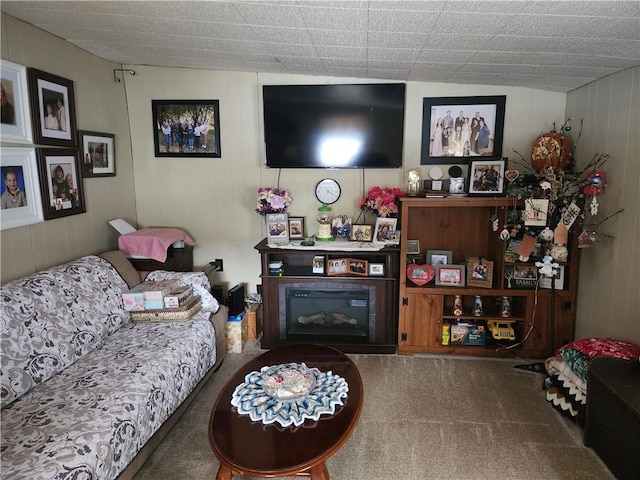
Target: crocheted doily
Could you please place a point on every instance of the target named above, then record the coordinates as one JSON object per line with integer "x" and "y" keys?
{"x": 289, "y": 394}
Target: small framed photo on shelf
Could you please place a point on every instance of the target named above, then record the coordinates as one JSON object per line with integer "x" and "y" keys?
{"x": 413, "y": 247}
{"x": 486, "y": 177}
{"x": 337, "y": 266}
{"x": 523, "y": 277}
{"x": 277, "y": 227}
{"x": 318, "y": 264}
{"x": 479, "y": 272}
{"x": 361, "y": 233}
{"x": 420, "y": 274}
{"x": 439, "y": 257}
{"x": 359, "y": 267}
{"x": 296, "y": 228}
{"x": 450, "y": 275}
{"x": 384, "y": 227}
{"x": 545, "y": 282}
{"x": 376, "y": 269}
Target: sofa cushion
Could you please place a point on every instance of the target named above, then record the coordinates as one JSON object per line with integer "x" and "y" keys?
{"x": 91, "y": 420}
{"x": 50, "y": 319}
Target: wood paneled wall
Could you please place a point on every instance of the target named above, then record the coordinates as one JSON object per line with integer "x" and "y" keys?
{"x": 609, "y": 283}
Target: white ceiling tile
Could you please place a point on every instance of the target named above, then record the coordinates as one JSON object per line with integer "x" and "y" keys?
{"x": 555, "y": 45}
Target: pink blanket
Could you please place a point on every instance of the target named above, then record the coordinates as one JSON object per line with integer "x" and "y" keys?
{"x": 152, "y": 242}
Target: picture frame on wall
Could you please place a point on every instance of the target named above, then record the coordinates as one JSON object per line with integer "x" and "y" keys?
{"x": 486, "y": 177}
{"x": 296, "y": 228}
{"x": 456, "y": 129}
{"x": 20, "y": 189}
{"x": 61, "y": 182}
{"x": 15, "y": 117}
{"x": 186, "y": 128}
{"x": 384, "y": 227}
{"x": 53, "y": 112}
{"x": 98, "y": 154}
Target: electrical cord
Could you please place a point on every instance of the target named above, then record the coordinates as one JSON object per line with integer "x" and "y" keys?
{"x": 533, "y": 321}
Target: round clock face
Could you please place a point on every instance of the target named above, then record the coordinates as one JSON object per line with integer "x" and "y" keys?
{"x": 327, "y": 191}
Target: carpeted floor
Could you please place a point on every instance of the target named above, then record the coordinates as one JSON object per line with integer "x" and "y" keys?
{"x": 424, "y": 417}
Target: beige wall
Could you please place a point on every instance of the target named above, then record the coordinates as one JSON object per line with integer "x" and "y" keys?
{"x": 609, "y": 285}
{"x": 214, "y": 198}
{"x": 100, "y": 106}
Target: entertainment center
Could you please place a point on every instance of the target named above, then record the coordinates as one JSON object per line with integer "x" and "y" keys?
{"x": 542, "y": 319}
{"x": 354, "y": 313}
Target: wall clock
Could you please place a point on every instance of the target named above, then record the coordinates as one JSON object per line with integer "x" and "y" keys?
{"x": 327, "y": 191}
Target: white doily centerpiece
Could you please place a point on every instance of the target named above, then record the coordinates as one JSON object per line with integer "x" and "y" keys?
{"x": 289, "y": 394}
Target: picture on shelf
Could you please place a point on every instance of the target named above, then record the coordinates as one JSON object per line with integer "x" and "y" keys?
{"x": 296, "y": 228}
{"x": 337, "y": 266}
{"x": 450, "y": 275}
{"x": 520, "y": 276}
{"x": 479, "y": 272}
{"x": 362, "y": 233}
{"x": 413, "y": 247}
{"x": 486, "y": 177}
{"x": 376, "y": 269}
{"x": 439, "y": 257}
{"x": 384, "y": 227}
{"x": 277, "y": 227}
{"x": 358, "y": 267}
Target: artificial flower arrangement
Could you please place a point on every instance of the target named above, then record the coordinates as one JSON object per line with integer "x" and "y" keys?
{"x": 382, "y": 201}
{"x": 569, "y": 194}
{"x": 273, "y": 200}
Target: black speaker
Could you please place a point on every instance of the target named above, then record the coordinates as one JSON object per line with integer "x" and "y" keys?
{"x": 236, "y": 300}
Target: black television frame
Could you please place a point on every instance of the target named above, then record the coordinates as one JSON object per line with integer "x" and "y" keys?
{"x": 322, "y": 95}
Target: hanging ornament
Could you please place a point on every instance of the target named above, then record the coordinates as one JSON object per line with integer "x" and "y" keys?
{"x": 504, "y": 234}
{"x": 594, "y": 205}
{"x": 546, "y": 234}
{"x": 583, "y": 239}
{"x": 595, "y": 182}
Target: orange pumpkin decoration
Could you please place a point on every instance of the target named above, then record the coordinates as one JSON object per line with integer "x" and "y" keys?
{"x": 551, "y": 149}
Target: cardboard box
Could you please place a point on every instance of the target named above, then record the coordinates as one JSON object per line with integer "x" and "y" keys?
{"x": 254, "y": 321}
{"x": 236, "y": 333}
{"x": 178, "y": 297}
{"x": 136, "y": 298}
{"x": 468, "y": 334}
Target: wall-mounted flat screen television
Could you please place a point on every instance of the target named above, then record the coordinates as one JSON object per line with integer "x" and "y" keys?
{"x": 334, "y": 126}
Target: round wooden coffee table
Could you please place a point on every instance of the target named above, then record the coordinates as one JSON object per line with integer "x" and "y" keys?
{"x": 244, "y": 447}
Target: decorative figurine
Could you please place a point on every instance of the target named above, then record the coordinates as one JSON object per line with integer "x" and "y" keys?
{"x": 477, "y": 306}
{"x": 506, "y": 307}
{"x": 457, "y": 306}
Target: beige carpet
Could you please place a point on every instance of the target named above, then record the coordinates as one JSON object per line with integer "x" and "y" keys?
{"x": 424, "y": 417}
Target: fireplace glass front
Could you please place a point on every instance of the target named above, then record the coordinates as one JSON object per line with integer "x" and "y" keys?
{"x": 340, "y": 315}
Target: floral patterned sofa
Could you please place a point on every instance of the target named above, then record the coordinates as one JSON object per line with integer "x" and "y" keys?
{"x": 83, "y": 389}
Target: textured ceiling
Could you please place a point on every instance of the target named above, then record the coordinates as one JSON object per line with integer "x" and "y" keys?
{"x": 550, "y": 45}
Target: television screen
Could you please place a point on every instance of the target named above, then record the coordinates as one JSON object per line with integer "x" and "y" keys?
{"x": 334, "y": 126}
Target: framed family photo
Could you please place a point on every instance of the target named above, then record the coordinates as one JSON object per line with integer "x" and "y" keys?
{"x": 52, "y": 109}
{"x": 296, "y": 228}
{"x": 455, "y": 129}
{"x": 277, "y": 227}
{"x": 450, "y": 275}
{"x": 384, "y": 227}
{"x": 15, "y": 118}
{"x": 186, "y": 128}
{"x": 21, "y": 199}
{"x": 361, "y": 233}
{"x": 61, "y": 182}
{"x": 439, "y": 257}
{"x": 98, "y": 154}
{"x": 486, "y": 177}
